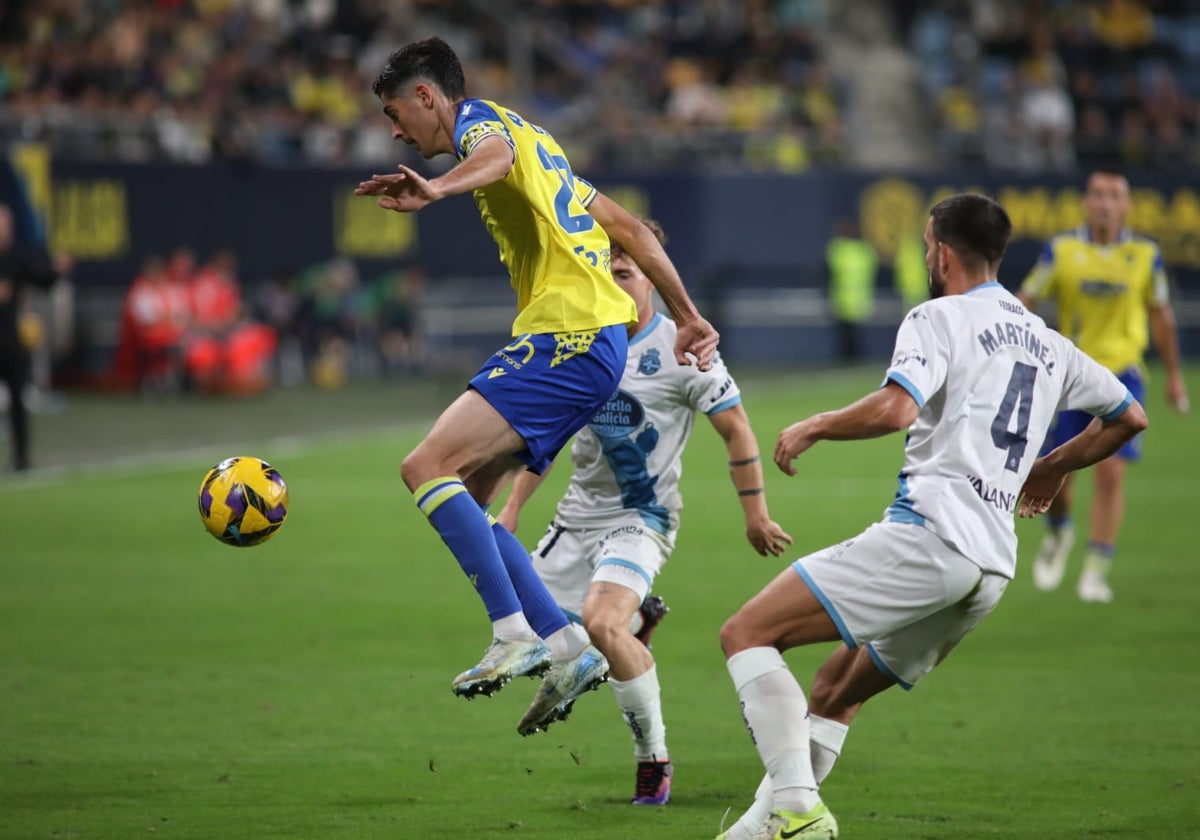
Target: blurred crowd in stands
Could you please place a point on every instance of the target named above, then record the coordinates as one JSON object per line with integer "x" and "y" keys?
{"x": 185, "y": 327}
{"x": 622, "y": 82}
{"x": 1061, "y": 84}
{"x": 634, "y": 84}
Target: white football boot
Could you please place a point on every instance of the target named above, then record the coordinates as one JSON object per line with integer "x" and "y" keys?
{"x": 1051, "y": 560}
{"x": 502, "y": 661}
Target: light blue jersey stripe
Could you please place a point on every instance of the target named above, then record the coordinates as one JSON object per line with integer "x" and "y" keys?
{"x": 827, "y": 604}
{"x": 902, "y": 510}
{"x": 904, "y": 383}
{"x": 625, "y": 564}
{"x": 729, "y": 403}
{"x": 885, "y": 670}
{"x": 1119, "y": 410}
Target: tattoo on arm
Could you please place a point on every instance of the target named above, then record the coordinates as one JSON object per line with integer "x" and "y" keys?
{"x": 744, "y": 462}
{"x": 752, "y": 492}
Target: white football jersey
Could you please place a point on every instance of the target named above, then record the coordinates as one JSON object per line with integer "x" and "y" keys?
{"x": 990, "y": 377}
{"x": 627, "y": 459}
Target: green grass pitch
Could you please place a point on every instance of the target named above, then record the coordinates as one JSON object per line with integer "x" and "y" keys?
{"x": 155, "y": 683}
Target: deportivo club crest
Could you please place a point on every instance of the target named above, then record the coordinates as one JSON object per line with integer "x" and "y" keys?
{"x": 649, "y": 364}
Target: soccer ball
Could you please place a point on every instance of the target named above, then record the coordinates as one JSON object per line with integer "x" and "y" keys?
{"x": 243, "y": 501}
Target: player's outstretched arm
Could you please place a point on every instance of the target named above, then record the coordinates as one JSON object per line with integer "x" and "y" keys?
{"x": 1098, "y": 441}
{"x": 1166, "y": 342}
{"x": 879, "y": 413}
{"x": 745, "y": 469}
{"x": 696, "y": 335}
{"x": 407, "y": 191}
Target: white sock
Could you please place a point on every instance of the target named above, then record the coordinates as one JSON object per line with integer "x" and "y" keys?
{"x": 752, "y": 823}
{"x": 640, "y": 704}
{"x": 825, "y": 740}
{"x": 567, "y": 642}
{"x": 776, "y": 713}
{"x": 513, "y": 627}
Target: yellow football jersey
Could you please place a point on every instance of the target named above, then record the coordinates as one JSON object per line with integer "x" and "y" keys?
{"x": 1102, "y": 292}
{"x": 556, "y": 253}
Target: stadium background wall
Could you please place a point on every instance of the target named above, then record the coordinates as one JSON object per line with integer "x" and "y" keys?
{"x": 751, "y": 247}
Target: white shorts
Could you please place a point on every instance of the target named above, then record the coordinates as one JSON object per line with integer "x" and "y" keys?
{"x": 903, "y": 592}
{"x": 569, "y": 561}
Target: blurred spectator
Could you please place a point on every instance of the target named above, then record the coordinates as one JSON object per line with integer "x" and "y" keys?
{"x": 215, "y": 295}
{"x": 277, "y": 305}
{"x": 154, "y": 321}
{"x": 327, "y": 320}
{"x": 695, "y": 98}
{"x": 21, "y": 268}
{"x": 225, "y": 352}
{"x": 1047, "y": 112}
{"x": 1122, "y": 25}
{"x": 398, "y": 310}
{"x": 961, "y": 120}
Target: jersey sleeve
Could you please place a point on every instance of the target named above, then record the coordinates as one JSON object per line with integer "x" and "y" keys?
{"x": 584, "y": 191}
{"x": 921, "y": 355}
{"x": 476, "y": 121}
{"x": 712, "y": 391}
{"x": 1158, "y": 289}
{"x": 1040, "y": 282}
{"x": 1090, "y": 387}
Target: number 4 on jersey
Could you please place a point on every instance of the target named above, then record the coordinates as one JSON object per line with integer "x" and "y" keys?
{"x": 1017, "y": 398}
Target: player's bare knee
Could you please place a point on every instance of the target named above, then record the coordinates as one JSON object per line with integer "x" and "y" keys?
{"x": 424, "y": 464}
{"x": 734, "y": 635}
{"x": 411, "y": 471}
{"x": 603, "y": 629}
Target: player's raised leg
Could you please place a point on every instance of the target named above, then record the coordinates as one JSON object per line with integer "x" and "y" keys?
{"x": 564, "y": 641}
{"x": 548, "y": 387}
{"x": 472, "y": 439}
{"x": 786, "y": 613}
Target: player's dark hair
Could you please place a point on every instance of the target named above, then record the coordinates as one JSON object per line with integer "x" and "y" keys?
{"x": 1105, "y": 173}
{"x": 431, "y": 60}
{"x": 653, "y": 226}
{"x": 976, "y": 227}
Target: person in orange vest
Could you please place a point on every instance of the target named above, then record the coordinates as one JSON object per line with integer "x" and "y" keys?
{"x": 226, "y": 351}
{"x": 157, "y": 316}
{"x": 215, "y": 303}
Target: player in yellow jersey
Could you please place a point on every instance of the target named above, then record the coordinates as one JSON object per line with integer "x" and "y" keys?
{"x": 1107, "y": 284}
{"x": 565, "y": 361}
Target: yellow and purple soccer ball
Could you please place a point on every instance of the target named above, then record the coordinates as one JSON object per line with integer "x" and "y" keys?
{"x": 243, "y": 501}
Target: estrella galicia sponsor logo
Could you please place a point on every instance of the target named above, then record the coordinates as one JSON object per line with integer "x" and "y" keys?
{"x": 905, "y": 356}
{"x": 650, "y": 363}
{"x": 619, "y": 417}
{"x": 1102, "y": 288}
